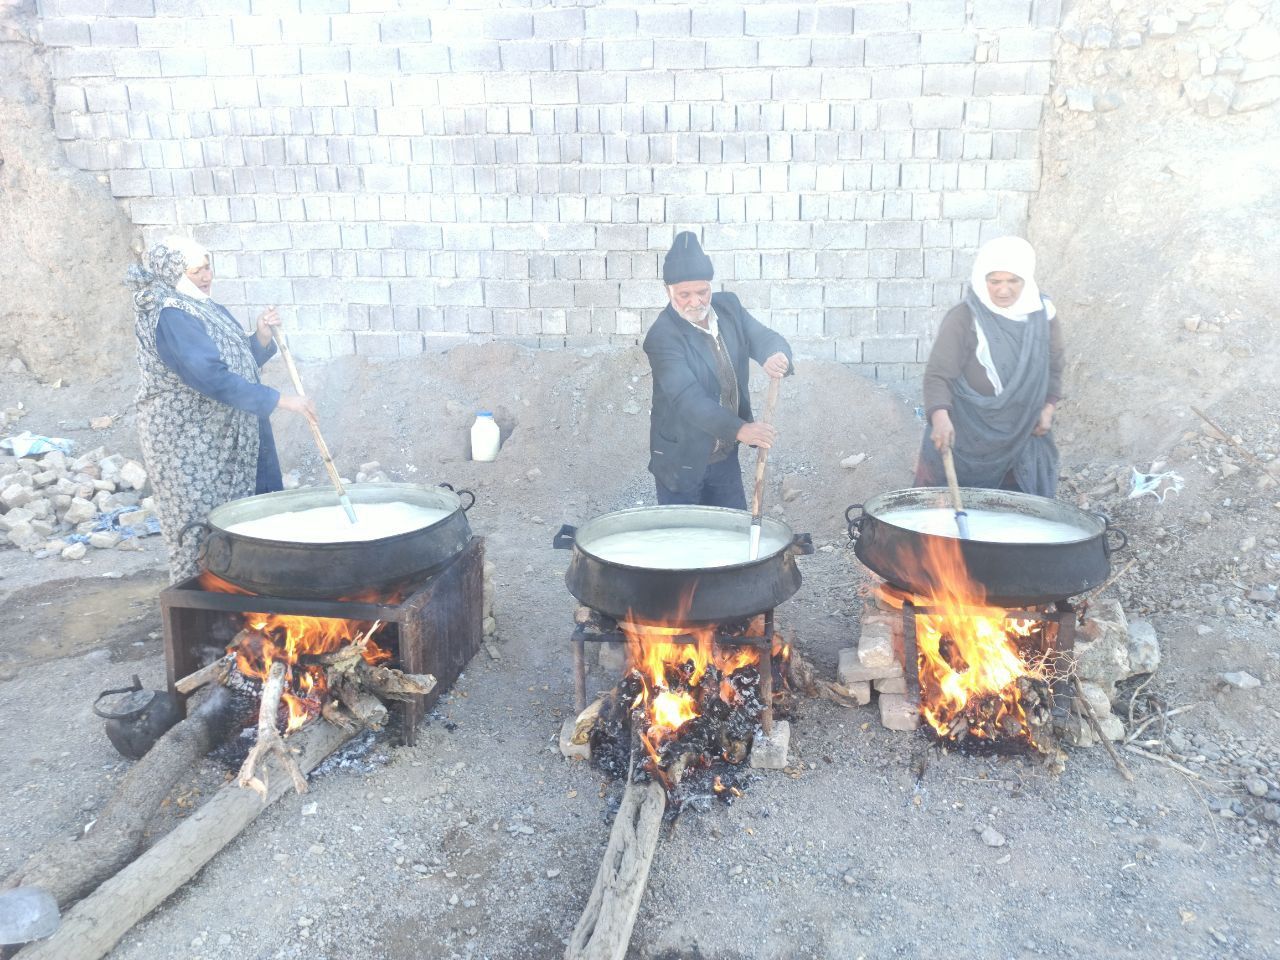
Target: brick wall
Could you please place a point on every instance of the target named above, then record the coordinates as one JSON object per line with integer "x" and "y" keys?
{"x": 400, "y": 173}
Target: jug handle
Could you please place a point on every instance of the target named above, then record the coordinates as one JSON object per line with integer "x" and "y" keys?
{"x": 137, "y": 685}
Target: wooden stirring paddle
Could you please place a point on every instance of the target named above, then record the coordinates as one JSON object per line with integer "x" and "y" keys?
{"x": 323, "y": 447}
{"x": 762, "y": 457}
{"x": 962, "y": 518}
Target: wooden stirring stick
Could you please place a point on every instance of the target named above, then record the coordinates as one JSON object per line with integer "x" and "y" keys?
{"x": 323, "y": 447}
{"x": 962, "y": 518}
{"x": 762, "y": 457}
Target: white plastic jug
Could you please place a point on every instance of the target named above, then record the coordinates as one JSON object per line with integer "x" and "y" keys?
{"x": 485, "y": 437}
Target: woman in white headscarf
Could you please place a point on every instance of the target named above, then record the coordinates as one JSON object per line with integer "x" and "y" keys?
{"x": 203, "y": 412}
{"x": 994, "y": 379}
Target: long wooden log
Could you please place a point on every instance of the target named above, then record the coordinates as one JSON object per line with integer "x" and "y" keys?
{"x": 95, "y": 925}
{"x": 270, "y": 743}
{"x": 70, "y": 867}
{"x": 603, "y": 931}
{"x": 215, "y": 672}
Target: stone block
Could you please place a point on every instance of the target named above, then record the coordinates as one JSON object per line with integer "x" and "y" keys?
{"x": 899, "y": 713}
{"x": 80, "y": 511}
{"x": 15, "y": 516}
{"x": 878, "y": 643}
{"x": 849, "y": 669}
{"x": 770, "y": 753}
{"x": 1097, "y": 698}
{"x": 891, "y": 685}
{"x": 947, "y": 47}
{"x": 135, "y": 518}
{"x": 612, "y": 658}
{"x": 104, "y": 539}
{"x": 1102, "y": 646}
{"x": 860, "y": 691}
{"x": 40, "y": 508}
{"x": 569, "y": 749}
{"x": 134, "y": 474}
{"x": 15, "y": 495}
{"x": 74, "y": 551}
{"x": 1144, "y": 647}
{"x": 22, "y": 535}
{"x": 1001, "y": 13}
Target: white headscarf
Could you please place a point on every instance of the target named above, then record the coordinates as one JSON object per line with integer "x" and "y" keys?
{"x": 194, "y": 255}
{"x": 1007, "y": 255}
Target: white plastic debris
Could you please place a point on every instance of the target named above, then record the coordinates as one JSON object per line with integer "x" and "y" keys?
{"x": 1158, "y": 485}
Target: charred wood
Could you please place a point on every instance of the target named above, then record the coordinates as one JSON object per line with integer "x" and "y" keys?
{"x": 215, "y": 672}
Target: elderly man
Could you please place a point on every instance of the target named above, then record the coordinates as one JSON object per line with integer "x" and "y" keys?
{"x": 698, "y": 350}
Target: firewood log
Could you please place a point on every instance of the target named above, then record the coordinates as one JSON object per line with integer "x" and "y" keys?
{"x": 69, "y": 868}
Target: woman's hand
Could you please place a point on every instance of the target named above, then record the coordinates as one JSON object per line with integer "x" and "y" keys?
{"x": 944, "y": 434}
{"x": 266, "y": 323}
{"x": 1045, "y": 423}
{"x": 777, "y": 365}
{"x": 295, "y": 404}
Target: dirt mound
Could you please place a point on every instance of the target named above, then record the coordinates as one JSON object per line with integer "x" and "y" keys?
{"x": 64, "y": 242}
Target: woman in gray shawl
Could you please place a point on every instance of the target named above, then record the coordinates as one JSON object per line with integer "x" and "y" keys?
{"x": 203, "y": 413}
{"x": 994, "y": 378}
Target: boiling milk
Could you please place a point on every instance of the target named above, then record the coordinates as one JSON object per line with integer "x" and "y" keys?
{"x": 682, "y": 548}
{"x": 331, "y": 525}
{"x": 992, "y": 526}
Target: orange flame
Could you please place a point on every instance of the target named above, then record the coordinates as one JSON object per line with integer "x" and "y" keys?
{"x": 660, "y": 651}
{"x": 968, "y": 650}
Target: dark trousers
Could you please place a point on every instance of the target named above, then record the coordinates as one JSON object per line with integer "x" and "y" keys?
{"x": 721, "y": 487}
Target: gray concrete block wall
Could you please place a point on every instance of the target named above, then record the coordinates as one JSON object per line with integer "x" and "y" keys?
{"x": 396, "y": 174}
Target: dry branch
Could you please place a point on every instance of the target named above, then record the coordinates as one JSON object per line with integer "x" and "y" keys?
{"x": 803, "y": 678}
{"x": 215, "y": 672}
{"x": 70, "y": 867}
{"x": 95, "y": 925}
{"x": 603, "y": 931}
{"x": 269, "y": 739}
{"x": 1082, "y": 704}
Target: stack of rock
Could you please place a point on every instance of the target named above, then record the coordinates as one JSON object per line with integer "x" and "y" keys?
{"x": 1109, "y": 649}
{"x": 876, "y": 665}
{"x": 52, "y": 505}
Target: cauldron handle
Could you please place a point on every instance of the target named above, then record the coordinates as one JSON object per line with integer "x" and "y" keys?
{"x": 1107, "y": 548}
{"x": 182, "y": 534}
{"x": 460, "y": 494}
{"x": 854, "y": 524}
{"x": 565, "y": 537}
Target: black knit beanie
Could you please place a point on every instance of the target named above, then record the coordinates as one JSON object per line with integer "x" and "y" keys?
{"x": 686, "y": 261}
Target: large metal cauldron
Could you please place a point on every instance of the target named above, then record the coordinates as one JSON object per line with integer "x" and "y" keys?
{"x": 693, "y": 594}
{"x": 332, "y": 570}
{"x": 1013, "y": 574}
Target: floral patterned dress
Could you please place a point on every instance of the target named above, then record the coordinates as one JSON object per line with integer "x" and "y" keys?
{"x": 200, "y": 452}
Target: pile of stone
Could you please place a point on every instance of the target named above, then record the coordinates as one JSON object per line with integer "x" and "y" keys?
{"x": 52, "y": 505}
{"x": 1108, "y": 650}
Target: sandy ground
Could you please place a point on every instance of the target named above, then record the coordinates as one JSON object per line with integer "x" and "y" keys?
{"x": 482, "y": 841}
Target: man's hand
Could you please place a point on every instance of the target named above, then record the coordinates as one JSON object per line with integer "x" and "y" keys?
{"x": 776, "y": 366}
{"x": 295, "y": 404}
{"x": 758, "y": 434}
{"x": 266, "y": 323}
{"x": 1045, "y": 423}
{"x": 944, "y": 434}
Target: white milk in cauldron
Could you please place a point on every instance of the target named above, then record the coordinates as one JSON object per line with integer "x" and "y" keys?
{"x": 331, "y": 525}
{"x": 992, "y": 526}
{"x": 681, "y": 548}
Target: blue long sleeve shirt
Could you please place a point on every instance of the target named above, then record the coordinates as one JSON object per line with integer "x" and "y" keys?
{"x": 187, "y": 350}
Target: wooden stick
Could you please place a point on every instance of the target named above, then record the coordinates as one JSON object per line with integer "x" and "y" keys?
{"x": 603, "y": 931}
{"x": 323, "y": 447}
{"x": 94, "y": 926}
{"x": 762, "y": 458}
{"x": 1082, "y": 704}
{"x": 215, "y": 672}
{"x": 949, "y": 466}
{"x": 1230, "y": 439}
{"x": 1093, "y": 594}
{"x": 269, "y": 739}
{"x": 1132, "y": 748}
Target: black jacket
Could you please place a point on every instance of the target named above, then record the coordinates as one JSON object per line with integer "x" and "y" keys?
{"x": 687, "y": 417}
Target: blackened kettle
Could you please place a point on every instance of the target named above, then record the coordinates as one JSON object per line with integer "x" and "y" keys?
{"x": 137, "y": 721}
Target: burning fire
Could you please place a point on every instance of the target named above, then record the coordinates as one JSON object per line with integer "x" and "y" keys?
{"x": 974, "y": 659}
{"x": 299, "y": 642}
{"x": 670, "y": 669}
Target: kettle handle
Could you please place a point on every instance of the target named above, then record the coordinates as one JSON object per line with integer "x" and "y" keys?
{"x": 137, "y": 685}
